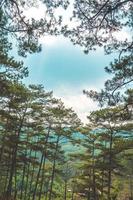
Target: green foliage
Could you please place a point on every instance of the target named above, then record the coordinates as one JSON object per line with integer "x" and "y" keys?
{"x": 27, "y": 31}
{"x": 98, "y": 22}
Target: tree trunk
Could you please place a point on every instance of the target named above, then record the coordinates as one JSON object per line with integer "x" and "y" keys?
{"x": 110, "y": 166}
{"x": 65, "y": 191}
{"x": 27, "y": 178}
{"x": 44, "y": 160}
{"x": 14, "y": 156}
{"x": 37, "y": 178}
{"x": 15, "y": 192}
{"x": 9, "y": 186}
{"x": 93, "y": 171}
{"x": 53, "y": 170}
{"x": 22, "y": 184}
{"x": 31, "y": 181}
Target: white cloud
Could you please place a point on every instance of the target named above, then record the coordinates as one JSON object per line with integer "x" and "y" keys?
{"x": 122, "y": 35}
{"x": 49, "y": 40}
{"x": 37, "y": 11}
{"x": 67, "y": 14}
{"x": 74, "y": 97}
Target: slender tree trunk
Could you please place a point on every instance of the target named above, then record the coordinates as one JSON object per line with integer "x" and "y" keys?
{"x": 12, "y": 170}
{"x": 65, "y": 191}
{"x": 37, "y": 178}
{"x": 89, "y": 187}
{"x": 52, "y": 180}
{"x": 24, "y": 169}
{"x": 22, "y": 184}
{"x": 88, "y": 195}
{"x": 31, "y": 181}
{"x": 15, "y": 192}
{"x": 42, "y": 178}
{"x": 53, "y": 170}
{"x": 7, "y": 177}
{"x": 110, "y": 166}
{"x": 14, "y": 156}
{"x": 103, "y": 171}
{"x": 2, "y": 149}
{"x": 27, "y": 178}
{"x": 93, "y": 171}
{"x": 43, "y": 162}
{"x": 9, "y": 187}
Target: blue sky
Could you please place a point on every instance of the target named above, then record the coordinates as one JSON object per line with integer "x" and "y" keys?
{"x": 66, "y": 70}
{"x": 63, "y": 63}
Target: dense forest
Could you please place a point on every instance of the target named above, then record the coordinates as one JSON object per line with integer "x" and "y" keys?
{"x": 46, "y": 152}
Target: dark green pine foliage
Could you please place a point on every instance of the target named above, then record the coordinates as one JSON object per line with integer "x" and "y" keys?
{"x": 116, "y": 118}
{"x": 99, "y": 23}
{"x": 25, "y": 31}
{"x": 13, "y": 94}
{"x": 33, "y": 128}
{"x": 33, "y": 133}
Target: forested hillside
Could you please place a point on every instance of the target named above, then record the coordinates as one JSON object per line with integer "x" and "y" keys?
{"x": 46, "y": 151}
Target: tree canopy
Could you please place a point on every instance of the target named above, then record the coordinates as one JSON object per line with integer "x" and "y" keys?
{"x": 98, "y": 23}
